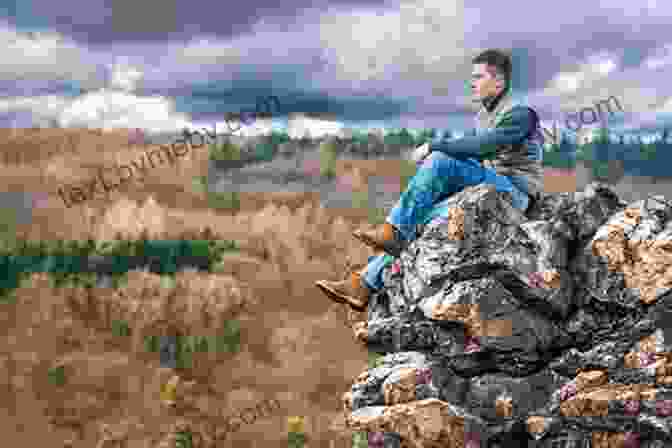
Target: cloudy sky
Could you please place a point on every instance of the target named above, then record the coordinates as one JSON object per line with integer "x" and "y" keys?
{"x": 164, "y": 64}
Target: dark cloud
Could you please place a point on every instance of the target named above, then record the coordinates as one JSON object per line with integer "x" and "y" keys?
{"x": 99, "y": 22}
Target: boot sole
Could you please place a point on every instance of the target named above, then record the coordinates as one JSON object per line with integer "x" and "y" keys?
{"x": 336, "y": 297}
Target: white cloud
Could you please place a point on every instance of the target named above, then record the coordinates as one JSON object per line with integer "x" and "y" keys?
{"x": 105, "y": 108}
{"x": 588, "y": 75}
{"x": 300, "y": 125}
{"x": 124, "y": 77}
{"x": 400, "y": 43}
{"x": 43, "y": 55}
{"x": 109, "y": 109}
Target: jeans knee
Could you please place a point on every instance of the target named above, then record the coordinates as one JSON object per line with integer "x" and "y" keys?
{"x": 437, "y": 155}
{"x": 440, "y": 160}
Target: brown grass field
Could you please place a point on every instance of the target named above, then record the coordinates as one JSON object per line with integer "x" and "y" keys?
{"x": 296, "y": 346}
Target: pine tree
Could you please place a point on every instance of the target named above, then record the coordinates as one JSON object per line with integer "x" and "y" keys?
{"x": 405, "y": 137}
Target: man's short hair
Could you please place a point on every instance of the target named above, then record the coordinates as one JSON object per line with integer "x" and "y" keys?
{"x": 499, "y": 60}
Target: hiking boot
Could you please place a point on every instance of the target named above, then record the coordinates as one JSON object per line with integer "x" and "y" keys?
{"x": 351, "y": 291}
{"x": 383, "y": 237}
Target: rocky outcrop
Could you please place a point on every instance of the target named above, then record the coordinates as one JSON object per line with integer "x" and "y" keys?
{"x": 508, "y": 329}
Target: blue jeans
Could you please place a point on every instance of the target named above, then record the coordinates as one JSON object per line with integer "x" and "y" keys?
{"x": 439, "y": 177}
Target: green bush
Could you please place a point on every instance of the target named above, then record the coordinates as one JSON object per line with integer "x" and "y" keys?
{"x": 328, "y": 159}
{"x": 225, "y": 151}
{"x": 375, "y": 359}
{"x": 120, "y": 328}
{"x": 200, "y": 184}
{"x": 229, "y": 338}
{"x": 360, "y": 439}
{"x": 556, "y": 159}
{"x": 584, "y": 153}
{"x": 600, "y": 169}
{"x": 377, "y": 215}
{"x": 202, "y": 345}
{"x": 278, "y": 137}
{"x": 296, "y": 440}
{"x": 8, "y": 224}
{"x": 66, "y": 262}
{"x": 229, "y": 200}
{"x": 360, "y": 199}
{"x": 264, "y": 152}
{"x": 184, "y": 353}
{"x": 647, "y": 152}
{"x": 184, "y": 439}
{"x": 152, "y": 344}
{"x": 57, "y": 375}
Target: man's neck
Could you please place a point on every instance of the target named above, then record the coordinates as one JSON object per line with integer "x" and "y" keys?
{"x": 492, "y": 101}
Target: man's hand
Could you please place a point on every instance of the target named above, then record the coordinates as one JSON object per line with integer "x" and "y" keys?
{"x": 420, "y": 153}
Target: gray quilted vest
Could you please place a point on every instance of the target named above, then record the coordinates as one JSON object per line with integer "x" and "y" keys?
{"x": 522, "y": 162}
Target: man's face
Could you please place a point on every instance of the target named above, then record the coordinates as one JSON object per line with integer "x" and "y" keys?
{"x": 483, "y": 82}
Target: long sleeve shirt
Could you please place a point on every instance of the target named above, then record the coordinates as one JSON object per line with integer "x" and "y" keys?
{"x": 506, "y": 142}
{"x": 519, "y": 124}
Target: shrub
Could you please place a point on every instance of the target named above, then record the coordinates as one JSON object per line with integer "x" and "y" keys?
{"x": 584, "y": 153}
{"x": 229, "y": 339}
{"x": 229, "y": 200}
{"x": 152, "y": 344}
{"x": 225, "y": 151}
{"x": 8, "y": 224}
{"x": 375, "y": 359}
{"x": 120, "y": 328}
{"x": 360, "y": 199}
{"x": 328, "y": 159}
{"x": 57, "y": 375}
{"x": 183, "y": 439}
{"x": 184, "y": 353}
{"x": 200, "y": 184}
{"x": 278, "y": 137}
{"x": 600, "y": 170}
{"x": 202, "y": 345}
{"x": 296, "y": 440}
{"x": 557, "y": 159}
{"x": 647, "y": 152}
{"x": 264, "y": 152}
{"x": 360, "y": 439}
{"x": 377, "y": 215}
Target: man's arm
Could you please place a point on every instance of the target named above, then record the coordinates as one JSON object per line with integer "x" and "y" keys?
{"x": 512, "y": 129}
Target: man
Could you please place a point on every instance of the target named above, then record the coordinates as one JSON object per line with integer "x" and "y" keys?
{"x": 505, "y": 143}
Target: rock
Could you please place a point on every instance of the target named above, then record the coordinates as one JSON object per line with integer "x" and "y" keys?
{"x": 547, "y": 325}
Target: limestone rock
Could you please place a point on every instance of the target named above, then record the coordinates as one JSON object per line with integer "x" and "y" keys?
{"x": 548, "y": 325}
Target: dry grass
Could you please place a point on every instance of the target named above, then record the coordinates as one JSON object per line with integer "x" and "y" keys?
{"x": 296, "y": 346}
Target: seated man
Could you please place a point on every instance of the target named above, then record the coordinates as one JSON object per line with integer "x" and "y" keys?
{"x": 506, "y": 142}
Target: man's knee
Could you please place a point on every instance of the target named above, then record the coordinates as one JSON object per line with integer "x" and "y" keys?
{"x": 438, "y": 159}
{"x": 437, "y": 155}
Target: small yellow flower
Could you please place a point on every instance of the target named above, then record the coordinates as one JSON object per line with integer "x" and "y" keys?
{"x": 169, "y": 391}
{"x": 295, "y": 424}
